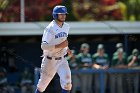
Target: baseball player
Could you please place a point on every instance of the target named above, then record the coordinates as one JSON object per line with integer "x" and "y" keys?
{"x": 55, "y": 47}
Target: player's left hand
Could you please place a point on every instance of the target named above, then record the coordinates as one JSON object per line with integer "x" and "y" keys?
{"x": 69, "y": 52}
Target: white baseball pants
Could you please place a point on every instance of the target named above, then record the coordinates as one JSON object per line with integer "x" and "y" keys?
{"x": 49, "y": 68}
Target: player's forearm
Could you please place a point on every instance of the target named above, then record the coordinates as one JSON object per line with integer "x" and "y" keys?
{"x": 62, "y": 45}
{"x": 47, "y": 46}
{"x": 58, "y": 46}
{"x": 131, "y": 63}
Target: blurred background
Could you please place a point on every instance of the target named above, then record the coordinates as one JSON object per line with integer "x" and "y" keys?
{"x": 104, "y": 37}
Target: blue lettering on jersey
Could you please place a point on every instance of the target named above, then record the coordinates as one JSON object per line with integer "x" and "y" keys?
{"x": 61, "y": 34}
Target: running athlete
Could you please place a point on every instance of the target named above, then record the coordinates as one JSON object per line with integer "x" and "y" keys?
{"x": 55, "y": 47}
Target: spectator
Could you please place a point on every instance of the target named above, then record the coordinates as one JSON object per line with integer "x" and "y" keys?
{"x": 75, "y": 77}
{"x": 118, "y": 45}
{"x": 132, "y": 83}
{"x": 26, "y": 82}
{"x": 100, "y": 61}
{"x": 84, "y": 57}
{"x": 134, "y": 58}
{"x": 116, "y": 79}
{"x": 84, "y": 60}
{"x": 119, "y": 60}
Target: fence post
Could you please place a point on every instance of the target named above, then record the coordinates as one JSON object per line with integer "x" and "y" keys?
{"x": 102, "y": 83}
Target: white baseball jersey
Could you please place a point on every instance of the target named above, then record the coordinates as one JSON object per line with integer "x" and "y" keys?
{"x": 53, "y": 35}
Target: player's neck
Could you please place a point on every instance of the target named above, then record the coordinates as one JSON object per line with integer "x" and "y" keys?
{"x": 60, "y": 24}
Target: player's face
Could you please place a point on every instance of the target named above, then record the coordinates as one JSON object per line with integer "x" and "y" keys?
{"x": 85, "y": 50}
{"x": 100, "y": 51}
{"x": 61, "y": 17}
{"x": 120, "y": 54}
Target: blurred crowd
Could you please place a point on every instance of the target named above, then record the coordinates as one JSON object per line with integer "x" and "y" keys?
{"x": 83, "y": 10}
{"x": 116, "y": 82}
{"x": 14, "y": 79}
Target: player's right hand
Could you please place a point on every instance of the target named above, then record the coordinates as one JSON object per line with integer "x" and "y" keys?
{"x": 62, "y": 45}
